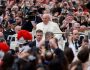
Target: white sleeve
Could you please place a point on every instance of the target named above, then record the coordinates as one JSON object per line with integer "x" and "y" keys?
{"x": 57, "y": 32}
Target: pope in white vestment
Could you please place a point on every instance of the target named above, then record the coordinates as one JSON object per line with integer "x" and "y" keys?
{"x": 50, "y": 27}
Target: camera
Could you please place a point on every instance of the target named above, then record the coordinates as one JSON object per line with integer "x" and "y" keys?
{"x": 80, "y": 10}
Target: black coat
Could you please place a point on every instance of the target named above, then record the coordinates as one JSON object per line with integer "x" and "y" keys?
{"x": 33, "y": 47}
{"x": 27, "y": 26}
{"x": 8, "y": 32}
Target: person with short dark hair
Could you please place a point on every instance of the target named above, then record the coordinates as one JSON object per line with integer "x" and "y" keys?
{"x": 39, "y": 31}
{"x": 83, "y": 55}
{"x": 8, "y": 60}
{"x": 59, "y": 61}
{"x": 77, "y": 65}
{"x": 48, "y": 36}
{"x": 84, "y": 44}
{"x": 36, "y": 43}
{"x": 69, "y": 54}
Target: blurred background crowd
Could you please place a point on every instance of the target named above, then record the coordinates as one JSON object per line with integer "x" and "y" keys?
{"x": 44, "y": 34}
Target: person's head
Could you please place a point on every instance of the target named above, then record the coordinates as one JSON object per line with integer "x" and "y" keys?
{"x": 82, "y": 28}
{"x": 77, "y": 65}
{"x": 17, "y": 28}
{"x": 58, "y": 63}
{"x": 18, "y": 19}
{"x": 85, "y": 43}
{"x": 11, "y": 23}
{"x": 13, "y": 14}
{"x": 39, "y": 35}
{"x": 76, "y": 26}
{"x": 49, "y": 35}
{"x": 19, "y": 13}
{"x": 25, "y": 64}
{"x": 69, "y": 54}
{"x": 75, "y": 34}
{"x": 69, "y": 17}
{"x": 8, "y": 60}
{"x": 11, "y": 26}
{"x": 46, "y": 18}
{"x": 83, "y": 55}
{"x": 53, "y": 43}
{"x": 15, "y": 8}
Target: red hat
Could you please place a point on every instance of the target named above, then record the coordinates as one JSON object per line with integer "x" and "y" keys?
{"x": 24, "y": 36}
{"x": 4, "y": 47}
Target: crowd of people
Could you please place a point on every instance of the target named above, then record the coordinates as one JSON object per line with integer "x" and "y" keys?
{"x": 44, "y": 35}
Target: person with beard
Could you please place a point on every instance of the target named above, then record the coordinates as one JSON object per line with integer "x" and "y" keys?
{"x": 19, "y": 20}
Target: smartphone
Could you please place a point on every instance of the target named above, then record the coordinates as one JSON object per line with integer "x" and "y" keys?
{"x": 80, "y": 10}
{"x": 70, "y": 25}
{"x": 88, "y": 35}
{"x": 74, "y": 4}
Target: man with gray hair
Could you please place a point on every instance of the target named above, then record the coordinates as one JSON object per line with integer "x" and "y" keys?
{"x": 76, "y": 26}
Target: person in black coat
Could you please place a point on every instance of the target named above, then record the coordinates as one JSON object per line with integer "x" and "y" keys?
{"x": 59, "y": 62}
{"x": 27, "y": 26}
{"x": 35, "y": 44}
{"x": 31, "y": 19}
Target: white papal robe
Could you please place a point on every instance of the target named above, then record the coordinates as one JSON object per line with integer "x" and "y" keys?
{"x": 50, "y": 27}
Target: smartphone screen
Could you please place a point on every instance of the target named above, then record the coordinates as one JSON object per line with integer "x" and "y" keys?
{"x": 70, "y": 25}
{"x": 88, "y": 35}
{"x": 80, "y": 10}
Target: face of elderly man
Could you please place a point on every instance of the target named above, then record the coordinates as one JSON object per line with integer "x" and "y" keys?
{"x": 76, "y": 26}
{"x": 46, "y": 18}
